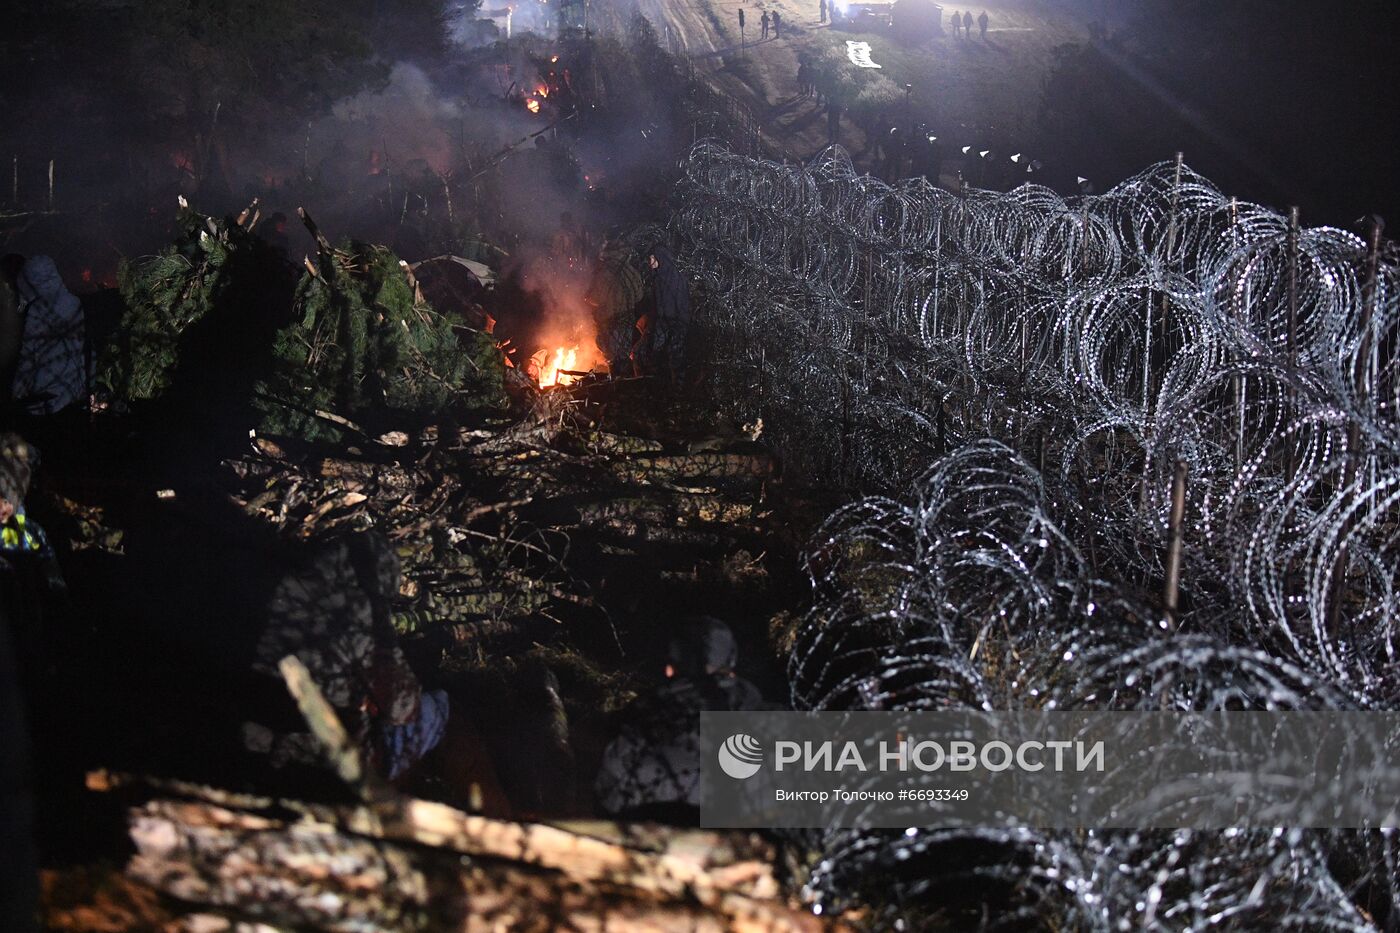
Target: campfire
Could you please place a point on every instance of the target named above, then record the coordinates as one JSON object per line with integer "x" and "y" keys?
{"x": 546, "y": 330}
{"x": 559, "y": 369}
{"x": 563, "y": 366}
{"x": 567, "y": 353}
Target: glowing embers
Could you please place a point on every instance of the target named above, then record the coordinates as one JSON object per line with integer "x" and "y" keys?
{"x": 535, "y": 100}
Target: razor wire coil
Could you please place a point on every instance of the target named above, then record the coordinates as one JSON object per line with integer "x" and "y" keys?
{"x": 1017, "y": 375}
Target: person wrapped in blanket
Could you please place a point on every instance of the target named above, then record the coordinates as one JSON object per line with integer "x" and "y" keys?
{"x": 43, "y": 356}
{"x": 651, "y": 770}
{"x": 334, "y": 615}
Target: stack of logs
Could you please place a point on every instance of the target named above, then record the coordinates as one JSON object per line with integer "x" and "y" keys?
{"x": 488, "y": 522}
{"x": 484, "y": 519}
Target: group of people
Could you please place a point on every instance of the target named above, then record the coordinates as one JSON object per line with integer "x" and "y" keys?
{"x": 768, "y": 20}
{"x": 963, "y": 21}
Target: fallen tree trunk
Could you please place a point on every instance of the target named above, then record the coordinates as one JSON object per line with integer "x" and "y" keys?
{"x": 707, "y": 465}
{"x": 400, "y": 866}
{"x": 400, "y": 863}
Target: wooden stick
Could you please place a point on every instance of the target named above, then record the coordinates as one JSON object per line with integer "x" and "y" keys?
{"x": 247, "y": 211}
{"x": 412, "y": 282}
{"x": 1288, "y": 464}
{"x": 1237, "y": 381}
{"x": 447, "y": 193}
{"x": 306, "y": 155}
{"x": 1171, "y": 595}
{"x": 344, "y": 754}
{"x": 321, "y": 242}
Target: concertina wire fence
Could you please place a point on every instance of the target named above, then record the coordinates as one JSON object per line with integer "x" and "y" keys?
{"x": 1022, "y": 379}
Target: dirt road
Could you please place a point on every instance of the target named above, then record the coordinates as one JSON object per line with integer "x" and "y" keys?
{"x": 971, "y": 91}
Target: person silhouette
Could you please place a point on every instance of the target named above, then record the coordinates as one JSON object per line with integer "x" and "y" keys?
{"x": 777, "y": 26}
{"x": 957, "y": 21}
{"x": 982, "y": 24}
{"x": 967, "y": 24}
{"x": 764, "y": 20}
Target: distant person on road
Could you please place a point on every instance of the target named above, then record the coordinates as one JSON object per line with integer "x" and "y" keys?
{"x": 982, "y": 24}
{"x": 967, "y": 24}
{"x": 957, "y": 21}
{"x": 764, "y": 21}
{"x": 804, "y": 81}
{"x": 822, "y": 8}
{"x": 777, "y": 26}
{"x": 741, "y": 24}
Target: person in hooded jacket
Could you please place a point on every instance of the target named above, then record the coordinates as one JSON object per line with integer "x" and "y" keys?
{"x": 652, "y": 767}
{"x": 663, "y": 348}
{"x": 51, "y": 371}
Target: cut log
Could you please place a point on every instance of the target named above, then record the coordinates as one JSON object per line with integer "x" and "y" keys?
{"x": 400, "y": 866}
{"x": 696, "y": 466}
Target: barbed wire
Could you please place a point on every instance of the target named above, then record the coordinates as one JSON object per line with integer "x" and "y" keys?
{"x": 1026, "y": 380}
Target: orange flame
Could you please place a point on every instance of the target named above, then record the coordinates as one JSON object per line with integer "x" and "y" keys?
{"x": 532, "y": 105}
{"x": 564, "y": 359}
